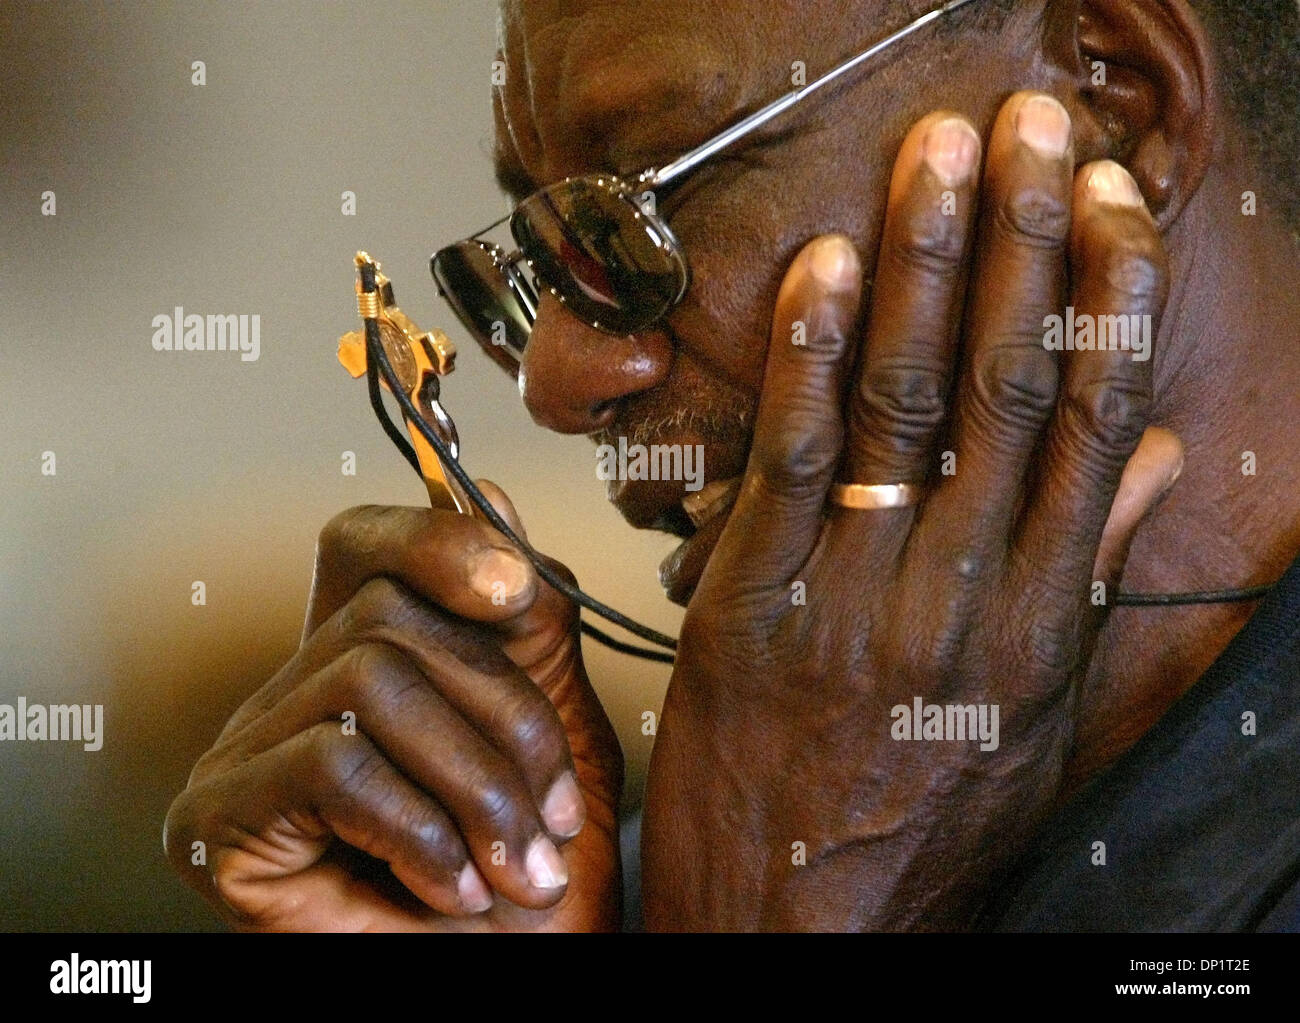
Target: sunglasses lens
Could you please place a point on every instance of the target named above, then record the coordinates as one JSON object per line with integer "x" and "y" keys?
{"x": 606, "y": 260}
{"x": 481, "y": 297}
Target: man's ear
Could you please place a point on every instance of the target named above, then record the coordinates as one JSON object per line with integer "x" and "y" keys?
{"x": 1144, "y": 91}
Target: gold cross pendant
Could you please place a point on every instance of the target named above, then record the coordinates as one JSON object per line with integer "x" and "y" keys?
{"x": 419, "y": 358}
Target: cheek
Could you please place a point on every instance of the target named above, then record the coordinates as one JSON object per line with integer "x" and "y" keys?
{"x": 741, "y": 242}
{"x": 724, "y": 321}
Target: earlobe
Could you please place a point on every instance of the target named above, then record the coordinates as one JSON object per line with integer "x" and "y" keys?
{"x": 1145, "y": 91}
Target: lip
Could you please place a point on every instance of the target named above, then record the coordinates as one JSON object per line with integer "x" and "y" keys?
{"x": 652, "y": 504}
{"x": 680, "y": 571}
{"x": 657, "y": 505}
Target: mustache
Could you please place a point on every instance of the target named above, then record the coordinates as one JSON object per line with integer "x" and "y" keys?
{"x": 713, "y": 423}
{"x": 692, "y": 402}
{"x": 712, "y": 410}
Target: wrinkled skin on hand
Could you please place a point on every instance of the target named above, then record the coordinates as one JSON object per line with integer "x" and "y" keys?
{"x": 476, "y": 787}
{"x": 812, "y": 622}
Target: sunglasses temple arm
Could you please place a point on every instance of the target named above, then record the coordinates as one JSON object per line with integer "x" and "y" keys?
{"x": 669, "y": 172}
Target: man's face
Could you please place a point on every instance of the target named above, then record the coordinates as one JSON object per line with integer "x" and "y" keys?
{"x": 624, "y": 86}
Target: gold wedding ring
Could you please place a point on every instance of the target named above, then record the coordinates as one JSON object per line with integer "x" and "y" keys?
{"x": 875, "y": 496}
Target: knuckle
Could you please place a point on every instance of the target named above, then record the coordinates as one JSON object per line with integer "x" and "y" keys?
{"x": 553, "y": 604}
{"x": 375, "y": 676}
{"x": 967, "y": 565}
{"x": 931, "y": 244}
{"x": 340, "y": 535}
{"x": 529, "y": 723}
{"x": 539, "y": 736}
{"x": 440, "y": 842}
{"x": 1111, "y": 415}
{"x": 346, "y": 766}
{"x": 1034, "y": 214}
{"x": 209, "y": 762}
{"x": 1014, "y": 385}
{"x": 932, "y": 655}
{"x": 380, "y": 603}
{"x": 229, "y": 885}
{"x": 359, "y": 679}
{"x": 804, "y": 451}
{"x": 1052, "y": 647}
{"x": 1133, "y": 266}
{"x": 498, "y": 806}
{"x": 177, "y": 828}
{"x": 901, "y": 399}
{"x": 932, "y": 631}
{"x": 562, "y": 570}
{"x": 429, "y": 832}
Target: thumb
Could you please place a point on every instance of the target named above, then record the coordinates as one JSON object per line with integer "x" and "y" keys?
{"x": 1149, "y": 475}
{"x": 505, "y": 508}
{"x": 537, "y": 634}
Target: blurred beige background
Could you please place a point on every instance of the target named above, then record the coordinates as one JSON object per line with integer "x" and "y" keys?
{"x": 176, "y": 467}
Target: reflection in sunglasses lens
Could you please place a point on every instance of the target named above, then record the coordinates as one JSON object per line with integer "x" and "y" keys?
{"x": 590, "y": 245}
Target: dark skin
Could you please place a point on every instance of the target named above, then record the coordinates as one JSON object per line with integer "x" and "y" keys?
{"x": 980, "y": 594}
{"x": 308, "y": 826}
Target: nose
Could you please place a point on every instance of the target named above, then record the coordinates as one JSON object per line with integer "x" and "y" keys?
{"x": 573, "y": 375}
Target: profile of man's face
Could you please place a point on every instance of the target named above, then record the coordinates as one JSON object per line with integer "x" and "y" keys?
{"x": 622, "y": 87}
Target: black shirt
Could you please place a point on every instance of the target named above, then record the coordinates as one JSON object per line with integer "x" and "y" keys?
{"x": 1201, "y": 822}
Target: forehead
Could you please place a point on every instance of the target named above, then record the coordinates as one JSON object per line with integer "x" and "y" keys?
{"x": 619, "y": 86}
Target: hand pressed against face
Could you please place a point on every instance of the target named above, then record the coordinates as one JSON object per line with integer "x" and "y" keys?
{"x": 622, "y": 87}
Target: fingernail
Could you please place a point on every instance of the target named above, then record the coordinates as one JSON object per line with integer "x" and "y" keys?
{"x": 833, "y": 260}
{"x": 1043, "y": 124}
{"x": 498, "y": 574}
{"x": 1111, "y": 183}
{"x": 1174, "y": 473}
{"x": 545, "y": 865}
{"x": 951, "y": 148}
{"x": 474, "y": 893}
{"x": 563, "y": 809}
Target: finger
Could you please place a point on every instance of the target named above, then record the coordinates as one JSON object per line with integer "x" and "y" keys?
{"x": 378, "y": 690}
{"x": 1121, "y": 275}
{"x": 277, "y": 814}
{"x": 504, "y": 506}
{"x": 529, "y": 637}
{"x": 457, "y": 561}
{"x": 1148, "y": 477}
{"x": 799, "y": 427}
{"x": 1007, "y": 390}
{"x": 462, "y": 663}
{"x": 899, "y": 401}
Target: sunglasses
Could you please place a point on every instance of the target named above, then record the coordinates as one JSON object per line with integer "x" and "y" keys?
{"x": 596, "y": 243}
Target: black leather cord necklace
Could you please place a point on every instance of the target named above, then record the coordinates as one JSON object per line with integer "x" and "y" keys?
{"x": 378, "y": 364}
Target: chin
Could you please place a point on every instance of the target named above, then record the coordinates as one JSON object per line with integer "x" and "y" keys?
{"x": 698, "y": 519}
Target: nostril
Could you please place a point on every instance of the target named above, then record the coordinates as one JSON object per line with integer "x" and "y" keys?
{"x": 601, "y": 413}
